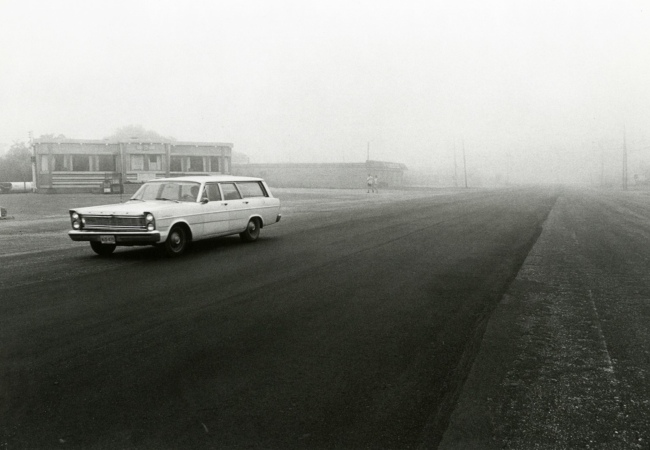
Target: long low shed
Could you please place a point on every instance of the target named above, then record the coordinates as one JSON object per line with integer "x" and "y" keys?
{"x": 325, "y": 175}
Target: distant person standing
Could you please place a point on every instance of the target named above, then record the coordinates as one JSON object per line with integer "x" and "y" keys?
{"x": 375, "y": 185}
{"x": 370, "y": 181}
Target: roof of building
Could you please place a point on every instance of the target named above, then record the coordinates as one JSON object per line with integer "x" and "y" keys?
{"x": 127, "y": 141}
{"x": 385, "y": 165}
{"x": 365, "y": 165}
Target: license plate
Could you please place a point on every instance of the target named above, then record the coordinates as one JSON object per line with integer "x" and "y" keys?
{"x": 107, "y": 239}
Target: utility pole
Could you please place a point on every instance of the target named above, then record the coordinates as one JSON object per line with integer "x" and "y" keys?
{"x": 465, "y": 164}
{"x": 624, "y": 161}
{"x": 33, "y": 158}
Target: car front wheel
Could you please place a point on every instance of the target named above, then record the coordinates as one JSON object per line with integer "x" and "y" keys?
{"x": 102, "y": 249}
{"x": 252, "y": 231}
{"x": 176, "y": 242}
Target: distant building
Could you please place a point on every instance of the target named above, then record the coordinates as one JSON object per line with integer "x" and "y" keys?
{"x": 66, "y": 165}
{"x": 325, "y": 175}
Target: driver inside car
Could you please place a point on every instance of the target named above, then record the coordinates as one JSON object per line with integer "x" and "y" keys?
{"x": 191, "y": 197}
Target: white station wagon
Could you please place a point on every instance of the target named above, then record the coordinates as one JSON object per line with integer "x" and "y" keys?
{"x": 172, "y": 212}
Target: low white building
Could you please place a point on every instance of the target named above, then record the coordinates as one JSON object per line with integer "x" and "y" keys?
{"x": 65, "y": 165}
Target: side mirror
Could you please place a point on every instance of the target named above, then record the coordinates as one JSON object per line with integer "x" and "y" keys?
{"x": 204, "y": 200}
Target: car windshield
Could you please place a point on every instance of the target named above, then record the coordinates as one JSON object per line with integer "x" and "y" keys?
{"x": 177, "y": 191}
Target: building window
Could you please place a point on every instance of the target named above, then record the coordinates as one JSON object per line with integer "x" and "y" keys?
{"x": 214, "y": 164}
{"x": 45, "y": 168}
{"x": 60, "y": 163}
{"x": 196, "y": 164}
{"x": 80, "y": 163}
{"x": 106, "y": 163}
{"x": 144, "y": 163}
{"x": 137, "y": 162}
{"x": 155, "y": 162}
{"x": 176, "y": 164}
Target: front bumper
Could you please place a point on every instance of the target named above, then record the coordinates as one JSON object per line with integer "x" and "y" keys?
{"x": 121, "y": 237}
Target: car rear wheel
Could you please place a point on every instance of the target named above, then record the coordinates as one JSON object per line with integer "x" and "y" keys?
{"x": 252, "y": 231}
{"x": 102, "y": 249}
{"x": 177, "y": 241}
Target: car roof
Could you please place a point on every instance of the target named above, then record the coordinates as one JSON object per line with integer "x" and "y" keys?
{"x": 207, "y": 178}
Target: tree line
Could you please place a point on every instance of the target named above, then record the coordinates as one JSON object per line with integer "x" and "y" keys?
{"x": 16, "y": 164}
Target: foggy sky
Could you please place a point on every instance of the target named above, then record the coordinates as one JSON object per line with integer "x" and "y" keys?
{"x": 541, "y": 89}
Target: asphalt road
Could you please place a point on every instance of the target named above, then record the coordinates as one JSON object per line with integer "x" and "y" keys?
{"x": 351, "y": 324}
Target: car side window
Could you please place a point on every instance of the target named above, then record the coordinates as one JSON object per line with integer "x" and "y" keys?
{"x": 251, "y": 189}
{"x": 230, "y": 192}
{"x": 212, "y": 192}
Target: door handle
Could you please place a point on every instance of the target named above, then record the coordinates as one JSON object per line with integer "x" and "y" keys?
{"x": 246, "y": 203}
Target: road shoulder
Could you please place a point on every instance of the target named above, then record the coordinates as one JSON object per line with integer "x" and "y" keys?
{"x": 544, "y": 377}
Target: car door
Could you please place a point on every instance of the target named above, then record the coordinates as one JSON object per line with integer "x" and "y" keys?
{"x": 215, "y": 212}
{"x": 237, "y": 207}
{"x": 188, "y": 209}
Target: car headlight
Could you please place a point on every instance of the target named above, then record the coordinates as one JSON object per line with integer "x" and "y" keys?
{"x": 150, "y": 221}
{"x": 76, "y": 220}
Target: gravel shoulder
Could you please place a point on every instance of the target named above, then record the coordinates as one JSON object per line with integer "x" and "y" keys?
{"x": 564, "y": 361}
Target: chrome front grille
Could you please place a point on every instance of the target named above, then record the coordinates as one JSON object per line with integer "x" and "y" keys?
{"x": 115, "y": 223}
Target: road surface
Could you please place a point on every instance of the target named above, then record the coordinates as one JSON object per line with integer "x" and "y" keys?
{"x": 353, "y": 323}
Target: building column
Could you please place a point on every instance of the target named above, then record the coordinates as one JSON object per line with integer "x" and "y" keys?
{"x": 122, "y": 164}
{"x": 168, "y": 157}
